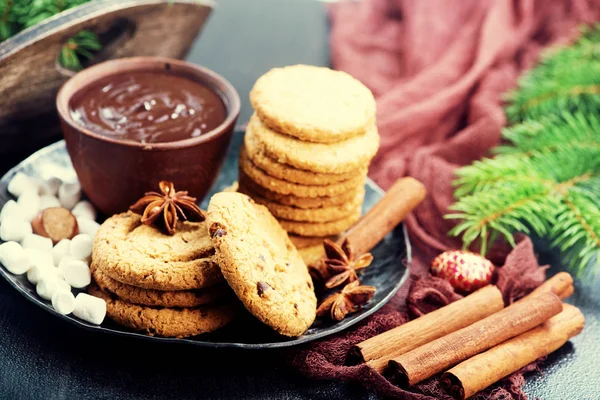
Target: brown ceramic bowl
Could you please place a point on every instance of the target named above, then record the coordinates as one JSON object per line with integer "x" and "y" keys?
{"x": 113, "y": 173}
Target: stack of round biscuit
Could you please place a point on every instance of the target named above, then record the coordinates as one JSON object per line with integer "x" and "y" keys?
{"x": 162, "y": 285}
{"x": 308, "y": 147}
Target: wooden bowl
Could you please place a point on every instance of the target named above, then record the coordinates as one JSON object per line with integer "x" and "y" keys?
{"x": 30, "y": 75}
{"x": 115, "y": 173}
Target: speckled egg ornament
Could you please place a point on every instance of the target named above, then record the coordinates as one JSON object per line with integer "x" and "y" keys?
{"x": 464, "y": 270}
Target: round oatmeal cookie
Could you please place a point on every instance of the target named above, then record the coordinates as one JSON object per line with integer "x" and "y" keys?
{"x": 159, "y": 298}
{"x": 324, "y": 214}
{"x": 320, "y": 229}
{"x": 302, "y": 242}
{"x": 326, "y": 158}
{"x": 248, "y": 187}
{"x": 291, "y": 174}
{"x": 261, "y": 264}
{"x": 141, "y": 255}
{"x": 280, "y": 186}
{"x": 311, "y": 103}
{"x": 166, "y": 322}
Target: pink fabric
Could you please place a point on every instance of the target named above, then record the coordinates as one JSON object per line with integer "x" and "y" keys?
{"x": 438, "y": 69}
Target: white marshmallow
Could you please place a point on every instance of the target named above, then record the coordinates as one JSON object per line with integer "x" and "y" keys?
{"x": 50, "y": 186}
{"x": 33, "y": 241}
{"x": 40, "y": 257}
{"x": 48, "y": 201}
{"x": 20, "y": 183}
{"x": 84, "y": 209}
{"x": 14, "y": 229}
{"x": 63, "y": 302}
{"x": 14, "y": 258}
{"x": 69, "y": 194}
{"x": 60, "y": 250}
{"x": 87, "y": 226}
{"x": 77, "y": 274}
{"x": 36, "y": 273}
{"x": 12, "y": 209}
{"x": 65, "y": 260}
{"x": 90, "y": 308}
{"x": 49, "y": 285}
{"x": 30, "y": 204}
{"x": 81, "y": 246}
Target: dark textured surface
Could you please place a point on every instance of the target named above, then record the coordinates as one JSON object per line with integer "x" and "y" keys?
{"x": 43, "y": 357}
{"x": 573, "y": 371}
{"x": 387, "y": 272}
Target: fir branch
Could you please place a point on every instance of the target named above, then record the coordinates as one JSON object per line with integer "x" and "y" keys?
{"x": 550, "y": 166}
{"x": 546, "y": 178}
{"x": 518, "y": 206}
{"x": 577, "y": 88}
{"x": 16, "y": 15}
{"x": 8, "y": 26}
{"x": 552, "y": 133}
{"x": 567, "y": 79}
{"x": 576, "y": 232}
{"x": 83, "y": 44}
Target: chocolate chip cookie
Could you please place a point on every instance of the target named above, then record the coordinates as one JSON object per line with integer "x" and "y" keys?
{"x": 261, "y": 264}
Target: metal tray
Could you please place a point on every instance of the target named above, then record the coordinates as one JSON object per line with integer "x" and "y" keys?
{"x": 387, "y": 273}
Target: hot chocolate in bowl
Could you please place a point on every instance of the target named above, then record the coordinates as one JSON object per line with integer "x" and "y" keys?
{"x": 130, "y": 123}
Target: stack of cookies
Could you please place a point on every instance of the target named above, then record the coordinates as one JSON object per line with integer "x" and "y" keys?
{"x": 308, "y": 147}
{"x": 159, "y": 284}
{"x": 197, "y": 279}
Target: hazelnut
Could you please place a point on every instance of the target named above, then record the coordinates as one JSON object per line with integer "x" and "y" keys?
{"x": 56, "y": 223}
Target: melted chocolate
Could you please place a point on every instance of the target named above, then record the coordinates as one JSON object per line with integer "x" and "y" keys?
{"x": 148, "y": 107}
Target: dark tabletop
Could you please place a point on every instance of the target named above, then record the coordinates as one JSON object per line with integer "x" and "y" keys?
{"x": 42, "y": 357}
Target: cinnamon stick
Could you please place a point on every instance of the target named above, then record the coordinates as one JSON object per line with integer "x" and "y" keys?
{"x": 404, "y": 195}
{"x": 377, "y": 350}
{"x": 482, "y": 370}
{"x": 434, "y": 357}
{"x": 560, "y": 284}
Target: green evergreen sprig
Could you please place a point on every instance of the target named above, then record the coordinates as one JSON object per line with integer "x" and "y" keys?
{"x": 83, "y": 45}
{"x": 545, "y": 178}
{"x": 16, "y": 15}
{"x": 566, "y": 79}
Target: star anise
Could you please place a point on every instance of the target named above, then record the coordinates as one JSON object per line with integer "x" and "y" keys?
{"x": 165, "y": 209}
{"x": 351, "y": 298}
{"x": 318, "y": 273}
{"x": 341, "y": 263}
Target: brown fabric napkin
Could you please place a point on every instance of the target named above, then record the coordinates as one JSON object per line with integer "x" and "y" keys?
{"x": 438, "y": 69}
